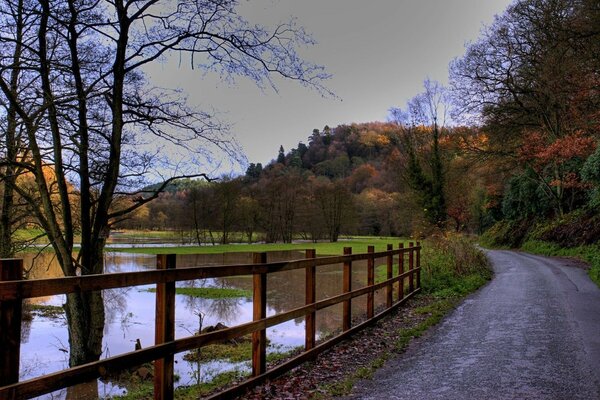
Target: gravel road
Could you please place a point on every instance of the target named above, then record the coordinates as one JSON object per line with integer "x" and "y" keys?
{"x": 532, "y": 333}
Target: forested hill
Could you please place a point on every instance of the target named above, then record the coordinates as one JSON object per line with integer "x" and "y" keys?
{"x": 350, "y": 179}
{"x": 337, "y": 153}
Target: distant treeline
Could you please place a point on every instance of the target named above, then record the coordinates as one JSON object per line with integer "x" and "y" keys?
{"x": 350, "y": 179}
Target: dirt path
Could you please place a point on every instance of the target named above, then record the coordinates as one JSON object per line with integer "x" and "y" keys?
{"x": 531, "y": 333}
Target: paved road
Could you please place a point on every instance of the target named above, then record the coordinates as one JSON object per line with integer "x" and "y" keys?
{"x": 531, "y": 333}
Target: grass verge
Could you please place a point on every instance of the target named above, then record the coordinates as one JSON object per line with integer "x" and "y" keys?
{"x": 433, "y": 312}
{"x": 590, "y": 254}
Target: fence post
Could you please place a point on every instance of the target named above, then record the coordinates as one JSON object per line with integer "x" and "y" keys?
{"x": 259, "y": 307}
{"x": 401, "y": 271}
{"x": 411, "y": 277}
{"x": 390, "y": 289}
{"x": 370, "y": 282}
{"x": 418, "y": 266}
{"x": 164, "y": 329}
{"x": 10, "y": 325}
{"x": 347, "y": 287}
{"x": 311, "y": 285}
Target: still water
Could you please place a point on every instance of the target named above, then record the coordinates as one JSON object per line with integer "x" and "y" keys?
{"x": 130, "y": 315}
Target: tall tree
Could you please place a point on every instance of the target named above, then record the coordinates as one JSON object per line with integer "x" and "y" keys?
{"x": 88, "y": 112}
{"x": 421, "y": 126}
{"x": 532, "y": 78}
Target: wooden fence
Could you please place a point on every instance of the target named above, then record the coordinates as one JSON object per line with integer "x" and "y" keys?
{"x": 13, "y": 290}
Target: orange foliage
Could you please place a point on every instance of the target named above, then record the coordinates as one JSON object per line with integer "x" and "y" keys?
{"x": 536, "y": 150}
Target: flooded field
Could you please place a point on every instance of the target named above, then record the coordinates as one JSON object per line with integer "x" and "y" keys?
{"x": 130, "y": 315}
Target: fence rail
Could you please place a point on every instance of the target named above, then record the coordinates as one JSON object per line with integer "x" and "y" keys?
{"x": 13, "y": 290}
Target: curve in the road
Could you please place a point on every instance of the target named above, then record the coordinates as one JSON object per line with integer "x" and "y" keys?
{"x": 532, "y": 333}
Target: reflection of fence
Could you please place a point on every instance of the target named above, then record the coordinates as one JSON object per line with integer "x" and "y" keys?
{"x": 12, "y": 291}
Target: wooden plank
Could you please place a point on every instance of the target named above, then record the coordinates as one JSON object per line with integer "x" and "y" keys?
{"x": 24, "y": 289}
{"x": 418, "y": 266}
{"x": 310, "y": 331}
{"x": 164, "y": 329}
{"x": 370, "y": 283}
{"x": 347, "y": 287}
{"x": 389, "y": 272}
{"x": 91, "y": 371}
{"x": 411, "y": 278}
{"x": 259, "y": 307}
{"x": 241, "y": 388}
{"x": 401, "y": 271}
{"x": 10, "y": 325}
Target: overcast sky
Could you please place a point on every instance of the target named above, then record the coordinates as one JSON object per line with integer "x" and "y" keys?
{"x": 378, "y": 52}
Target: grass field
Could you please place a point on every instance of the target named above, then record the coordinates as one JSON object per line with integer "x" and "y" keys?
{"x": 359, "y": 245}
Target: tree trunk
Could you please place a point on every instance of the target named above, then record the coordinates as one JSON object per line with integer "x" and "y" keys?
{"x": 85, "y": 311}
{"x": 6, "y": 245}
{"x": 85, "y": 316}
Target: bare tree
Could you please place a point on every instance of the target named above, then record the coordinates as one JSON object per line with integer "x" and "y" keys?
{"x": 421, "y": 126}
{"x": 94, "y": 125}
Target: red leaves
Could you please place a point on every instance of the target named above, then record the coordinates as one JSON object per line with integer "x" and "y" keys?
{"x": 536, "y": 149}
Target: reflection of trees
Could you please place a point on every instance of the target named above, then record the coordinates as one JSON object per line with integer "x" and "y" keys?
{"x": 115, "y": 304}
{"x": 224, "y": 309}
{"x": 25, "y": 326}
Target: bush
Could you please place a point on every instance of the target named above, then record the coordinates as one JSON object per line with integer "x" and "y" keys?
{"x": 507, "y": 233}
{"x": 453, "y": 266}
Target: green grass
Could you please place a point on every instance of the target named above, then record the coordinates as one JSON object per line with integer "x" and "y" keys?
{"x": 322, "y": 248}
{"x": 28, "y": 234}
{"x": 197, "y": 391}
{"x": 210, "y": 292}
{"x": 231, "y": 352}
{"x": 145, "y": 390}
{"x": 453, "y": 267}
{"x": 590, "y": 254}
{"x": 239, "y": 352}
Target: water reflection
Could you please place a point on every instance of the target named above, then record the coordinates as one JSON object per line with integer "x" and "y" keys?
{"x": 130, "y": 313}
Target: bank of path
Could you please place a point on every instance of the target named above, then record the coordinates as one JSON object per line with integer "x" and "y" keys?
{"x": 532, "y": 333}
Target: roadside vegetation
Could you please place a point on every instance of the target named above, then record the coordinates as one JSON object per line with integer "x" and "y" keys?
{"x": 575, "y": 235}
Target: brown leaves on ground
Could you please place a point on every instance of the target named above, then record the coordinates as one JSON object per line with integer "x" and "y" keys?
{"x": 340, "y": 365}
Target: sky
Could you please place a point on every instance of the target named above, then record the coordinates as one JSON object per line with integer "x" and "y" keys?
{"x": 378, "y": 52}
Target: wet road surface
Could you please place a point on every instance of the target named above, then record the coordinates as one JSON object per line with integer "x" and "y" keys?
{"x": 532, "y": 333}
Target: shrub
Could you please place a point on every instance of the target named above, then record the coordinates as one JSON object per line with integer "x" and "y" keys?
{"x": 453, "y": 266}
